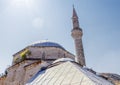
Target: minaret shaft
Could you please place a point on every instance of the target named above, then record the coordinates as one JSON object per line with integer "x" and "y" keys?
{"x": 77, "y": 36}
{"x": 79, "y": 52}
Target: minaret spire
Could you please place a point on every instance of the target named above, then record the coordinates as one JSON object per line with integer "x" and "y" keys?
{"x": 75, "y": 18}
{"x": 77, "y": 36}
{"x": 74, "y": 13}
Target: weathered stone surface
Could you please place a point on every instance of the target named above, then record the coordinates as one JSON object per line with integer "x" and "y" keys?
{"x": 20, "y": 73}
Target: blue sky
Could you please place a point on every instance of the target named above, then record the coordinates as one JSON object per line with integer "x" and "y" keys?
{"x": 23, "y": 22}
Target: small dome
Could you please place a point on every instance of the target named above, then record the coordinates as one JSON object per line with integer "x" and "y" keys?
{"x": 63, "y": 60}
{"x": 47, "y": 44}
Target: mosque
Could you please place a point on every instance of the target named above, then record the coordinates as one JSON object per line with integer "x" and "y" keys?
{"x": 49, "y": 63}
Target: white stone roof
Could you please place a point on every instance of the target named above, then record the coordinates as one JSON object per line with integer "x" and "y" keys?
{"x": 67, "y": 73}
{"x": 63, "y": 60}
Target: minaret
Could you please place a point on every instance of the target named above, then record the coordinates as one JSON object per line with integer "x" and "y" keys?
{"x": 77, "y": 33}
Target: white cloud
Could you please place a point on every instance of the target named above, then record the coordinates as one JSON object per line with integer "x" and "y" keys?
{"x": 22, "y": 3}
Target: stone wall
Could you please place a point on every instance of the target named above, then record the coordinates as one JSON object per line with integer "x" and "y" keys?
{"x": 31, "y": 70}
{"x": 114, "y": 78}
{"x": 45, "y": 53}
{"x": 20, "y": 73}
{"x": 15, "y": 74}
{"x": 2, "y": 80}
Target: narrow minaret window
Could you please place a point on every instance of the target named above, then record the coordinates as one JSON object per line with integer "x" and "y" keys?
{"x": 77, "y": 33}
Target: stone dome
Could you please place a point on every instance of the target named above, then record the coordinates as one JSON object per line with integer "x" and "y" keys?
{"x": 46, "y": 44}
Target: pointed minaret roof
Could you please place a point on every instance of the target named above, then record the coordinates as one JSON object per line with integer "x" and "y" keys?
{"x": 74, "y": 13}
{"x": 75, "y": 19}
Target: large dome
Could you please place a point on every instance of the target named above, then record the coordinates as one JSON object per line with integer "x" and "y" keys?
{"x": 46, "y": 44}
